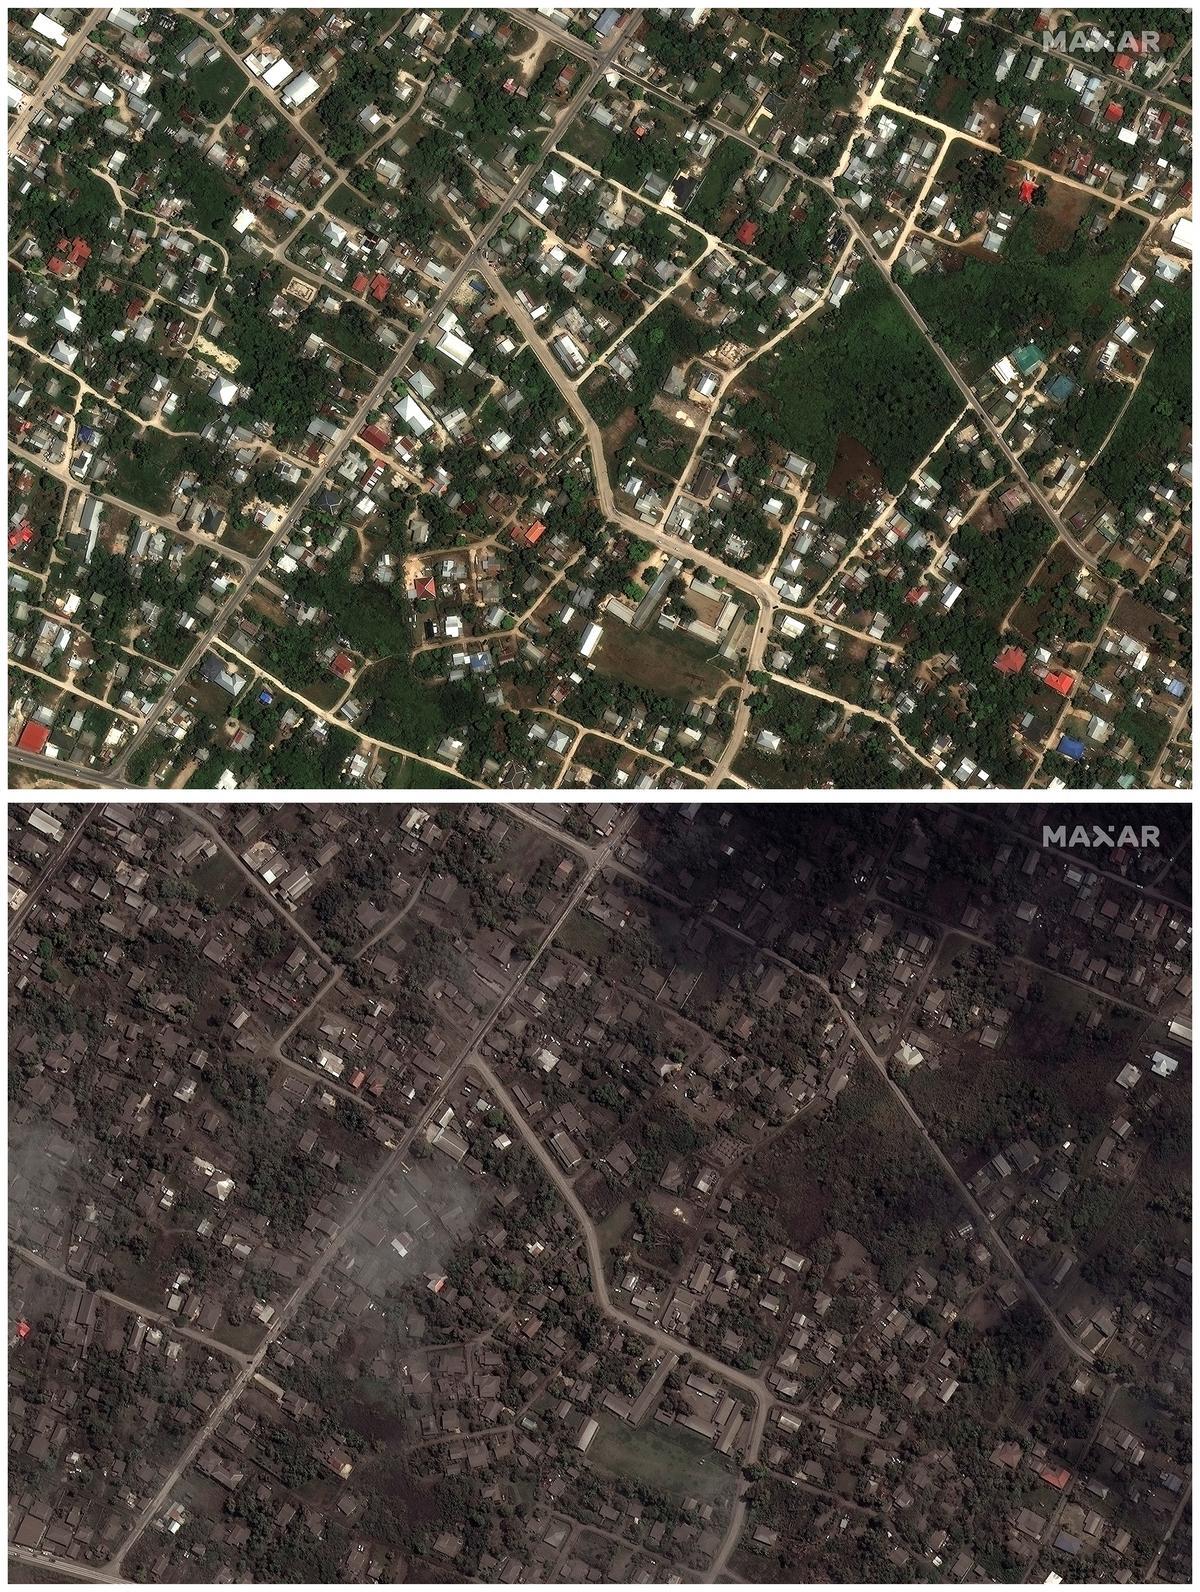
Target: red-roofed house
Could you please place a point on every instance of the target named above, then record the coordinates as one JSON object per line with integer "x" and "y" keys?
{"x": 1123, "y": 62}
{"x": 1055, "y": 1476}
{"x": 1059, "y": 680}
{"x": 1028, "y": 189}
{"x": 1114, "y": 112}
{"x": 747, "y": 233}
{"x": 529, "y": 537}
{"x": 379, "y": 286}
{"x": 77, "y": 252}
{"x": 1011, "y": 660}
{"x": 33, "y": 737}
{"x": 56, "y": 266}
{"x": 359, "y": 285}
{"x": 21, "y": 537}
{"x": 376, "y": 436}
{"x": 343, "y": 665}
{"x": 426, "y": 587}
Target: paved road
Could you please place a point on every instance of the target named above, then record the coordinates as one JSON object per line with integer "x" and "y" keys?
{"x": 846, "y": 216}
{"x": 68, "y": 1568}
{"x": 387, "y": 1168}
{"x": 53, "y": 768}
{"x": 60, "y": 857}
{"x": 160, "y": 1317}
{"x": 985, "y": 1226}
{"x": 19, "y": 126}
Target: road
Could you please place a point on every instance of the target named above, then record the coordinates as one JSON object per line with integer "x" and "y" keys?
{"x": 159, "y": 1317}
{"x": 755, "y": 1386}
{"x": 986, "y": 1228}
{"x": 19, "y": 125}
{"x": 61, "y": 855}
{"x": 69, "y": 1569}
{"x": 847, "y": 217}
{"x": 394, "y": 1161}
{"x": 444, "y": 301}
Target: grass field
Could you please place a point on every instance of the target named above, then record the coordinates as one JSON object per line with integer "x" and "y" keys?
{"x": 681, "y": 1463}
{"x": 674, "y": 663}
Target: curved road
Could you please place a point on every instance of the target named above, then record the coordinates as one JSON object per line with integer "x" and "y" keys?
{"x": 755, "y": 1386}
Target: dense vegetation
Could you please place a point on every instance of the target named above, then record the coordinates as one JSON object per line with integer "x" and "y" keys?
{"x": 986, "y": 307}
{"x": 1151, "y": 431}
{"x": 862, "y": 370}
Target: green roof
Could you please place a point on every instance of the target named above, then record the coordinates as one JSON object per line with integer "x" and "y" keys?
{"x": 1028, "y": 358}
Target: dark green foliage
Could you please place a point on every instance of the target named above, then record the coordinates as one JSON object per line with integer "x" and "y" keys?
{"x": 862, "y": 370}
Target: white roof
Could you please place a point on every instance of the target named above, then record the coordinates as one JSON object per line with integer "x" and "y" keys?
{"x": 591, "y": 640}
{"x": 223, "y": 390}
{"x": 299, "y": 89}
{"x": 277, "y": 73}
{"x": 1181, "y": 233}
{"x": 455, "y": 348}
{"x": 43, "y": 26}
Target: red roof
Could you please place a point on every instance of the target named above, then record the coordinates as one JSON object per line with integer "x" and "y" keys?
{"x": 22, "y": 536}
{"x": 359, "y": 285}
{"x": 1114, "y": 112}
{"x": 427, "y": 587}
{"x": 1011, "y": 660}
{"x": 533, "y": 534}
{"x": 1123, "y": 63}
{"x": 1059, "y": 680}
{"x": 23, "y": 1329}
{"x": 77, "y": 252}
{"x": 33, "y": 737}
{"x": 747, "y": 232}
{"x": 1055, "y": 1476}
{"x": 379, "y": 286}
{"x": 358, "y": 1078}
{"x": 1028, "y": 189}
{"x": 342, "y": 664}
{"x": 55, "y": 266}
{"x": 376, "y": 436}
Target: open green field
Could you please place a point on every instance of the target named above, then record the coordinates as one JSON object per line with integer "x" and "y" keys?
{"x": 862, "y": 370}
{"x": 672, "y": 662}
{"x": 681, "y": 1463}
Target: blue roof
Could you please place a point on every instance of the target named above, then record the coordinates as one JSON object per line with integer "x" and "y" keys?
{"x": 1070, "y": 748}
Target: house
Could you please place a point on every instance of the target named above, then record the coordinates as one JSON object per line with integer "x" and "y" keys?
{"x": 1011, "y": 660}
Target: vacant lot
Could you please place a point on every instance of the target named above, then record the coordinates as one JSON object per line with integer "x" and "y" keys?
{"x": 679, "y": 1462}
{"x": 676, "y": 664}
{"x": 861, "y": 372}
